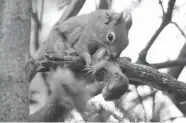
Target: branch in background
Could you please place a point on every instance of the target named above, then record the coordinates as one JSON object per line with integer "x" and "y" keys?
{"x": 143, "y": 53}
{"x": 167, "y": 64}
{"x": 175, "y": 71}
{"x": 166, "y": 20}
{"x": 177, "y": 26}
{"x": 72, "y": 10}
{"x": 162, "y": 8}
{"x": 104, "y": 4}
{"x": 180, "y": 61}
{"x": 41, "y": 13}
{"x": 35, "y": 28}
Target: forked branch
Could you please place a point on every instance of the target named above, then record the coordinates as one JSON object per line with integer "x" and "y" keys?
{"x": 166, "y": 20}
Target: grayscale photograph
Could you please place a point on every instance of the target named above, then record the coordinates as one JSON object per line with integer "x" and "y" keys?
{"x": 93, "y": 61}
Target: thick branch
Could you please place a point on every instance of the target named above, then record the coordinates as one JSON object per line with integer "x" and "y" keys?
{"x": 153, "y": 77}
{"x": 170, "y": 9}
{"x": 134, "y": 72}
{"x": 166, "y": 20}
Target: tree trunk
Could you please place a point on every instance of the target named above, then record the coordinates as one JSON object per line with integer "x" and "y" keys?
{"x": 14, "y": 47}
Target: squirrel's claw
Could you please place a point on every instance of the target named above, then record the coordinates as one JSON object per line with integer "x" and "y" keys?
{"x": 91, "y": 69}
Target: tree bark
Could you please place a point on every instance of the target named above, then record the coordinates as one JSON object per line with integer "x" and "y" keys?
{"x": 134, "y": 72}
{"x": 14, "y": 45}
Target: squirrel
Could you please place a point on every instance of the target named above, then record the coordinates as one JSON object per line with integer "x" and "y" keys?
{"x": 87, "y": 33}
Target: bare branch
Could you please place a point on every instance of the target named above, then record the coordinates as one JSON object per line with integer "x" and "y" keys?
{"x": 72, "y": 10}
{"x": 166, "y": 20}
{"x": 154, "y": 78}
{"x": 42, "y": 10}
{"x": 143, "y": 53}
{"x": 167, "y": 64}
{"x": 105, "y": 4}
{"x": 170, "y": 9}
{"x": 175, "y": 72}
{"x": 182, "y": 32}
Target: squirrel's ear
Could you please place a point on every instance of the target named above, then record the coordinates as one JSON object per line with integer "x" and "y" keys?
{"x": 128, "y": 19}
{"x": 119, "y": 16}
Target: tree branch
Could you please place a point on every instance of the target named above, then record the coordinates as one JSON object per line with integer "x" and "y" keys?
{"x": 166, "y": 20}
{"x": 167, "y": 64}
{"x": 175, "y": 71}
{"x": 181, "y": 31}
{"x": 135, "y": 72}
{"x": 152, "y": 77}
{"x": 163, "y": 10}
{"x": 73, "y": 9}
{"x": 143, "y": 53}
{"x": 104, "y": 4}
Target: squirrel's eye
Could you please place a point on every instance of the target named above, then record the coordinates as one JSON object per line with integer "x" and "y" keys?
{"x": 111, "y": 37}
{"x": 108, "y": 19}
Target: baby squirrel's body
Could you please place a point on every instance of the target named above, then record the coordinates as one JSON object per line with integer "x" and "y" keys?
{"x": 87, "y": 33}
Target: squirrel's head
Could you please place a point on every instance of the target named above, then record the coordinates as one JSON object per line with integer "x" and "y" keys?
{"x": 112, "y": 31}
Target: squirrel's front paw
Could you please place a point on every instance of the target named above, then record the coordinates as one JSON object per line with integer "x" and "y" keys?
{"x": 91, "y": 69}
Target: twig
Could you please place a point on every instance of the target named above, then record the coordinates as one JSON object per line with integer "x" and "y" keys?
{"x": 182, "y": 32}
{"x": 163, "y": 11}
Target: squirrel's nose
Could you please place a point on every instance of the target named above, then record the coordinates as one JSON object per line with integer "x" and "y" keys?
{"x": 113, "y": 55}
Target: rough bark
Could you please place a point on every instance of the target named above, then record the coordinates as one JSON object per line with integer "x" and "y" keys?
{"x": 134, "y": 72}
{"x": 14, "y": 44}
